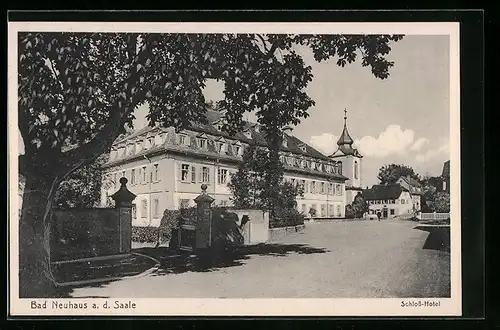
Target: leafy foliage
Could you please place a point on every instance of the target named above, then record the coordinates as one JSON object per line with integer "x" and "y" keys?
{"x": 389, "y": 174}
{"x": 82, "y": 188}
{"x": 357, "y": 208}
{"x": 251, "y": 188}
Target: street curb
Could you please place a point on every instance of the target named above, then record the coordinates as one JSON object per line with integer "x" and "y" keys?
{"x": 109, "y": 279}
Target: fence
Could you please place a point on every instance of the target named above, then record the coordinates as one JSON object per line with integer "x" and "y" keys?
{"x": 434, "y": 216}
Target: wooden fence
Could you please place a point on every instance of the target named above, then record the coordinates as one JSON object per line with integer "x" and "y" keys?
{"x": 434, "y": 216}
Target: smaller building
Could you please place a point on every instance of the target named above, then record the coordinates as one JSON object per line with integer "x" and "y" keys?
{"x": 445, "y": 175}
{"x": 415, "y": 189}
{"x": 388, "y": 201}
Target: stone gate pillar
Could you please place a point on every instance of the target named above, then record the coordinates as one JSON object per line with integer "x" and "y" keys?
{"x": 123, "y": 202}
{"x": 204, "y": 219}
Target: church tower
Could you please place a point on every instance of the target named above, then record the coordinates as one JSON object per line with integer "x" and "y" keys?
{"x": 351, "y": 163}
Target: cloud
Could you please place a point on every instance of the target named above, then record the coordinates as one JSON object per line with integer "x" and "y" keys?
{"x": 431, "y": 154}
{"x": 394, "y": 140}
{"x": 419, "y": 144}
{"x": 326, "y": 143}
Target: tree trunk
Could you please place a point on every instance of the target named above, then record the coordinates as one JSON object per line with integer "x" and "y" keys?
{"x": 35, "y": 276}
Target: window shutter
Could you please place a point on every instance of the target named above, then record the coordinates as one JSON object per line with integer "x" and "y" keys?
{"x": 179, "y": 171}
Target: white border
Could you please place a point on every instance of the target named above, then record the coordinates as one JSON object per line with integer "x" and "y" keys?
{"x": 248, "y": 307}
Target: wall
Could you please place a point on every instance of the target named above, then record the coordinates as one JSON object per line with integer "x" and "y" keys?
{"x": 85, "y": 233}
{"x": 256, "y": 230}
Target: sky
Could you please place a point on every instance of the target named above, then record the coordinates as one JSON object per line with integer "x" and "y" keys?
{"x": 403, "y": 119}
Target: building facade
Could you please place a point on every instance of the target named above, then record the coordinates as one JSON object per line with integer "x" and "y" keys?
{"x": 389, "y": 201}
{"x": 414, "y": 188}
{"x": 165, "y": 169}
{"x": 351, "y": 161}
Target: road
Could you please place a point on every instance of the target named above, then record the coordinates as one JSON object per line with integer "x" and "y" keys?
{"x": 357, "y": 259}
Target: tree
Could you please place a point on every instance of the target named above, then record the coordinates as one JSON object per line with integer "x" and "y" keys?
{"x": 78, "y": 91}
{"x": 250, "y": 187}
{"x": 441, "y": 202}
{"x": 389, "y": 174}
{"x": 82, "y": 188}
{"x": 359, "y": 206}
{"x": 428, "y": 195}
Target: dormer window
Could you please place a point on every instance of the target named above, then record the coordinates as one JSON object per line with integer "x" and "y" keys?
{"x": 221, "y": 147}
{"x": 202, "y": 143}
{"x": 303, "y": 163}
{"x": 151, "y": 142}
{"x": 183, "y": 140}
{"x": 282, "y": 159}
{"x": 303, "y": 148}
{"x": 313, "y": 165}
{"x": 289, "y": 160}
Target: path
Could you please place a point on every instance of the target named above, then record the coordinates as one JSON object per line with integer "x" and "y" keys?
{"x": 358, "y": 259}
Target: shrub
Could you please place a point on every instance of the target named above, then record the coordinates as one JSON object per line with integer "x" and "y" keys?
{"x": 286, "y": 217}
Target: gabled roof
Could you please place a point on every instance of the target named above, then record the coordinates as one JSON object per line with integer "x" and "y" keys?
{"x": 446, "y": 169}
{"x": 377, "y": 192}
{"x": 411, "y": 181}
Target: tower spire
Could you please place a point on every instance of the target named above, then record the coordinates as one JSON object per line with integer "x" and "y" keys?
{"x": 345, "y": 116}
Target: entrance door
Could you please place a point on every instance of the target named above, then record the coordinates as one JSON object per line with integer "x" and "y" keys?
{"x": 384, "y": 213}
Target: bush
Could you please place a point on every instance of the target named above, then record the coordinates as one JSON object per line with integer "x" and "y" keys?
{"x": 286, "y": 217}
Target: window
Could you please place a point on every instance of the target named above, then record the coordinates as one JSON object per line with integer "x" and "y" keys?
{"x": 193, "y": 174}
{"x": 444, "y": 185}
{"x": 292, "y": 181}
{"x": 303, "y": 148}
{"x": 323, "y": 210}
{"x": 144, "y": 178}
{"x": 123, "y": 174}
{"x": 156, "y": 172}
{"x": 303, "y": 185}
{"x": 339, "y": 214}
{"x": 285, "y": 142}
{"x": 156, "y": 208}
{"x": 355, "y": 170}
{"x": 221, "y": 147}
{"x": 132, "y": 177}
{"x": 184, "y": 203}
{"x": 322, "y": 187}
{"x": 313, "y": 165}
{"x": 183, "y": 140}
{"x": 330, "y": 210}
{"x": 339, "y": 189}
{"x": 205, "y": 174}
{"x": 391, "y": 211}
{"x": 402, "y": 201}
{"x": 304, "y": 208}
{"x": 313, "y": 187}
{"x": 184, "y": 172}
{"x": 330, "y": 188}
{"x": 202, "y": 143}
{"x": 151, "y": 142}
{"x": 222, "y": 176}
{"x": 144, "y": 208}
{"x": 223, "y": 203}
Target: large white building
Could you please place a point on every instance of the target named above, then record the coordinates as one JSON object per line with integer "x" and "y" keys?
{"x": 165, "y": 168}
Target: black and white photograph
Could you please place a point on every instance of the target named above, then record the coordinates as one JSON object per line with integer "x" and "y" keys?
{"x": 213, "y": 168}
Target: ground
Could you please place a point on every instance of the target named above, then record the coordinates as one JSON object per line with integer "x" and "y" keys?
{"x": 357, "y": 259}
